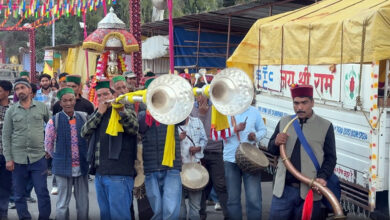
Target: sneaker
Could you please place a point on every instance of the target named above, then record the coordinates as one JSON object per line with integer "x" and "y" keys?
{"x": 31, "y": 200}
{"x": 54, "y": 190}
{"x": 11, "y": 205}
{"x": 217, "y": 207}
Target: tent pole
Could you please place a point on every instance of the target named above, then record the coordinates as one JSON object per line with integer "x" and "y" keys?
{"x": 197, "y": 48}
{"x": 228, "y": 38}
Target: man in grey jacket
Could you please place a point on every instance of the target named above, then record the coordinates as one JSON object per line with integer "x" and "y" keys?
{"x": 289, "y": 193}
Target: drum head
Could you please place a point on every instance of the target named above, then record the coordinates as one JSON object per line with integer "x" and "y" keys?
{"x": 139, "y": 180}
{"x": 194, "y": 176}
{"x": 254, "y": 154}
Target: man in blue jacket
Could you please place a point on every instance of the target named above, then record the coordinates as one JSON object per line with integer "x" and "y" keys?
{"x": 69, "y": 152}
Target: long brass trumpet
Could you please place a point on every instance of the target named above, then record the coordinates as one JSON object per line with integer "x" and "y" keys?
{"x": 337, "y": 209}
{"x": 170, "y": 98}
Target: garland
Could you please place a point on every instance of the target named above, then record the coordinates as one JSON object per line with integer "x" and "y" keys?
{"x": 45, "y": 8}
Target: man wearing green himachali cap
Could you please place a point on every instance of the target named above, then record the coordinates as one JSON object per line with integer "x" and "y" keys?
{"x": 82, "y": 104}
{"x": 25, "y": 75}
{"x": 70, "y": 165}
{"x": 112, "y": 155}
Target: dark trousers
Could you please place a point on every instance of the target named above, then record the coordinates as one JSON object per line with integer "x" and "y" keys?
{"x": 290, "y": 206}
{"x": 5, "y": 187}
{"x": 213, "y": 162}
{"x": 37, "y": 171}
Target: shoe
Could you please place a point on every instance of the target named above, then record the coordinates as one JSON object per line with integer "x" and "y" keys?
{"x": 217, "y": 207}
{"x": 54, "y": 190}
{"x": 11, "y": 205}
{"x": 210, "y": 202}
{"x": 31, "y": 200}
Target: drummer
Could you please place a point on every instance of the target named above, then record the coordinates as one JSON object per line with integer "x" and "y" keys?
{"x": 193, "y": 140}
{"x": 245, "y": 127}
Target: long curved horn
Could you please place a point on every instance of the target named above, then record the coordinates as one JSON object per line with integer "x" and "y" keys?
{"x": 337, "y": 209}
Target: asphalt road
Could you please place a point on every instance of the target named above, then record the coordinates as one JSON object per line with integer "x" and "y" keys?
{"x": 94, "y": 208}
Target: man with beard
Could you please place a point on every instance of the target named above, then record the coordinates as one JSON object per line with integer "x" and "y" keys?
{"x": 45, "y": 93}
{"x": 24, "y": 149}
{"x": 82, "y": 104}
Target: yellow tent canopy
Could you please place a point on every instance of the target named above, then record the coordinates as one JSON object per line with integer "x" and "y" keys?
{"x": 328, "y": 32}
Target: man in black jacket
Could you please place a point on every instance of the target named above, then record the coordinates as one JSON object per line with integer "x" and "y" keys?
{"x": 112, "y": 156}
{"x": 162, "y": 183}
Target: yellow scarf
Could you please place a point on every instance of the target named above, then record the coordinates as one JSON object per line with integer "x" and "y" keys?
{"x": 169, "y": 148}
{"x": 114, "y": 126}
{"x": 218, "y": 121}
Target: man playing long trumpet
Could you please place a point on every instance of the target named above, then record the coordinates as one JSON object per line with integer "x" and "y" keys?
{"x": 112, "y": 151}
{"x": 162, "y": 182}
{"x": 289, "y": 194}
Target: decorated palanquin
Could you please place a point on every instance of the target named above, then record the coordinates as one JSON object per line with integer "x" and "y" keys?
{"x": 111, "y": 40}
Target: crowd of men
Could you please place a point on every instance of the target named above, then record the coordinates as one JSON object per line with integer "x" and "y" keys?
{"x": 64, "y": 128}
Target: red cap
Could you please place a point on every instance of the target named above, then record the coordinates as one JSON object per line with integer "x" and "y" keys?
{"x": 301, "y": 90}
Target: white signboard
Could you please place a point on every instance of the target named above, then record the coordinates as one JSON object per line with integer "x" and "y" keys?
{"x": 327, "y": 80}
{"x": 324, "y": 78}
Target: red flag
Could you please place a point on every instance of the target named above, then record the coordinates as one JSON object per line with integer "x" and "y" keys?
{"x": 308, "y": 206}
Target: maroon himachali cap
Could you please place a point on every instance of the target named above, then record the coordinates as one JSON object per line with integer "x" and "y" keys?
{"x": 301, "y": 90}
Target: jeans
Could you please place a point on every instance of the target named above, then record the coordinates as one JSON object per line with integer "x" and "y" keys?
{"x": 213, "y": 162}
{"x": 5, "y": 187}
{"x": 252, "y": 184}
{"x": 290, "y": 206}
{"x": 163, "y": 189}
{"x": 194, "y": 198}
{"x": 37, "y": 171}
{"x": 114, "y": 195}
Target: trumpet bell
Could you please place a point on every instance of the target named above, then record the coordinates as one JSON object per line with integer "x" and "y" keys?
{"x": 169, "y": 99}
{"x": 231, "y": 91}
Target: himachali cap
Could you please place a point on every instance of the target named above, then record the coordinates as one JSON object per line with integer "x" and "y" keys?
{"x": 301, "y": 90}
{"x": 118, "y": 78}
{"x": 64, "y": 91}
{"x": 74, "y": 78}
{"x": 24, "y": 73}
{"x": 102, "y": 84}
{"x": 147, "y": 83}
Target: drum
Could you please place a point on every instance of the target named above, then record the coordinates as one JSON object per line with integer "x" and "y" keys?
{"x": 250, "y": 159}
{"x": 139, "y": 186}
{"x": 194, "y": 176}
